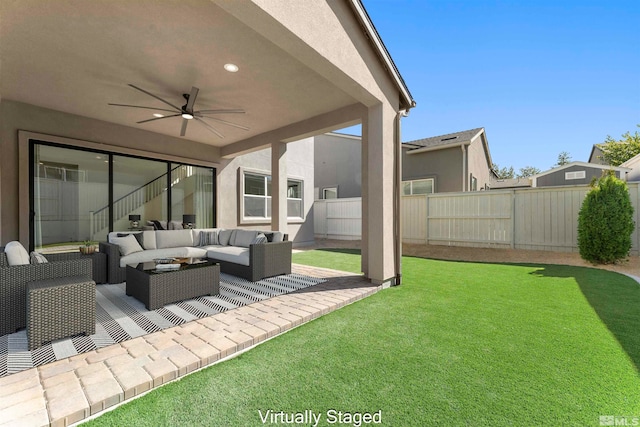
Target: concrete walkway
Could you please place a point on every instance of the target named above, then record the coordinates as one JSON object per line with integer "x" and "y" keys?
{"x": 70, "y": 390}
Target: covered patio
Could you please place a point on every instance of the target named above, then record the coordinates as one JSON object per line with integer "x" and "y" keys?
{"x": 303, "y": 69}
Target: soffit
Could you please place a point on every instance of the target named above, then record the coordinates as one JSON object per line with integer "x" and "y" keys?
{"x": 77, "y": 56}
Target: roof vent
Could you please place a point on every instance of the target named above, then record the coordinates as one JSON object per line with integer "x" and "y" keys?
{"x": 449, "y": 139}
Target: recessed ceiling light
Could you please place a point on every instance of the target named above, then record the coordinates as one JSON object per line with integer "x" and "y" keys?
{"x": 232, "y": 68}
{"x": 187, "y": 116}
{"x": 158, "y": 115}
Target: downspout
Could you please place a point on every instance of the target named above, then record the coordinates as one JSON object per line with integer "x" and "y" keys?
{"x": 464, "y": 167}
{"x": 397, "y": 191}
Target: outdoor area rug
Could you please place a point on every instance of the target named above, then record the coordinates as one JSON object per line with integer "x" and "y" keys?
{"x": 120, "y": 317}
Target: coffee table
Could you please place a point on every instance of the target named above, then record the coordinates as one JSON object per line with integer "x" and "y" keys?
{"x": 156, "y": 288}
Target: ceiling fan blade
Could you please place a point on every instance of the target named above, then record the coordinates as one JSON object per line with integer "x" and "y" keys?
{"x": 232, "y": 111}
{"x": 154, "y": 96}
{"x": 183, "y": 129}
{"x": 208, "y": 126}
{"x": 140, "y": 106}
{"x": 158, "y": 118}
{"x": 192, "y": 98}
{"x": 226, "y": 122}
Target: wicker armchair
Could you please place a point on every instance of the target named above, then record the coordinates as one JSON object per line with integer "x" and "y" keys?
{"x": 13, "y": 285}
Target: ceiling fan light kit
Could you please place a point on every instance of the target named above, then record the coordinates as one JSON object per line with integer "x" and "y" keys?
{"x": 187, "y": 112}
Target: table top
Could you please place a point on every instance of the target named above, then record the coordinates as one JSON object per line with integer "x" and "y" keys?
{"x": 185, "y": 264}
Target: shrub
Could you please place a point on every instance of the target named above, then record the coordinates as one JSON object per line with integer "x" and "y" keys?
{"x": 605, "y": 221}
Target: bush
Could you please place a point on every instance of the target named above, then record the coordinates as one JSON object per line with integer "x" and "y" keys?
{"x": 605, "y": 221}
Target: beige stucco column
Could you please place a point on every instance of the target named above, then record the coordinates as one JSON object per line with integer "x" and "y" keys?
{"x": 279, "y": 186}
{"x": 377, "y": 196}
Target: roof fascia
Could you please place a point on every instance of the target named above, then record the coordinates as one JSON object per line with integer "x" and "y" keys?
{"x": 376, "y": 40}
{"x": 438, "y": 147}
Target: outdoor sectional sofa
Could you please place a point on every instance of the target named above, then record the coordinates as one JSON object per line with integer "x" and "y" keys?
{"x": 250, "y": 254}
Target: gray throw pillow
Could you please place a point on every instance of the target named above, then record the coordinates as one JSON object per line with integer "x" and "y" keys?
{"x": 139, "y": 237}
{"x": 37, "y": 258}
{"x": 127, "y": 245}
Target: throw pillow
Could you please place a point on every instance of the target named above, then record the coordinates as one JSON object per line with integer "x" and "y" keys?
{"x": 127, "y": 244}
{"x": 16, "y": 254}
{"x": 269, "y": 237}
{"x": 139, "y": 237}
{"x": 208, "y": 238}
{"x": 260, "y": 238}
{"x": 37, "y": 258}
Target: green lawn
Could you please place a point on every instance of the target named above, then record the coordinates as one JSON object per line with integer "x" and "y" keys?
{"x": 457, "y": 344}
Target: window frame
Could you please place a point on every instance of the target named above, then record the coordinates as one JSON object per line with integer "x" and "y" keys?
{"x": 245, "y": 220}
{"x": 412, "y": 181}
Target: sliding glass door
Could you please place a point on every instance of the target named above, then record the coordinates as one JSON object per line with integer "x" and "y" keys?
{"x": 79, "y": 195}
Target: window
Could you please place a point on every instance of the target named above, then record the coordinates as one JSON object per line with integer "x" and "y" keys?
{"x": 330, "y": 193}
{"x": 418, "y": 186}
{"x": 575, "y": 175}
{"x": 257, "y": 197}
{"x": 79, "y": 194}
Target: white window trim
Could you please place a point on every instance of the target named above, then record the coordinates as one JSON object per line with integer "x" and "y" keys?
{"x": 242, "y": 220}
{"x": 324, "y": 192}
{"x": 411, "y": 181}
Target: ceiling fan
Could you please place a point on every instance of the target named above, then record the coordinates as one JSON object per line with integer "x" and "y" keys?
{"x": 187, "y": 112}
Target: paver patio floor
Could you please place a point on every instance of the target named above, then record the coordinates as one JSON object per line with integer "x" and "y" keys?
{"x": 73, "y": 389}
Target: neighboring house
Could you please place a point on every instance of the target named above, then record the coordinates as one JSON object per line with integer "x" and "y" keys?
{"x": 458, "y": 161}
{"x": 596, "y": 156}
{"x": 633, "y": 164}
{"x": 575, "y": 173}
{"x": 73, "y": 166}
{"x": 455, "y": 162}
{"x": 337, "y": 172}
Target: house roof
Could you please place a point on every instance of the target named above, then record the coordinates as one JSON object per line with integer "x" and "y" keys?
{"x": 444, "y": 141}
{"x": 583, "y": 164}
{"x": 596, "y": 155}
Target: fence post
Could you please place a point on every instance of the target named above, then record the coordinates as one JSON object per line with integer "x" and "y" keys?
{"x": 513, "y": 219}
{"x": 426, "y": 219}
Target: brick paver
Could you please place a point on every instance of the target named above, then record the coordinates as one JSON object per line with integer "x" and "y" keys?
{"x": 70, "y": 390}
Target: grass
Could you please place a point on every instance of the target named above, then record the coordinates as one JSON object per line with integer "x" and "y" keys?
{"x": 457, "y": 344}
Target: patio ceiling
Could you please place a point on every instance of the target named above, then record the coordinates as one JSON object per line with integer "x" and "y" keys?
{"x": 76, "y": 56}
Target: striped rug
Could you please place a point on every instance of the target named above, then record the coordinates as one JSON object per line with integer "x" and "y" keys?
{"x": 120, "y": 317}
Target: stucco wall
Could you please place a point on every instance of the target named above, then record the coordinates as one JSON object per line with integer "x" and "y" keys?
{"x": 299, "y": 165}
{"x": 443, "y": 165}
{"x": 338, "y": 163}
{"x": 15, "y": 116}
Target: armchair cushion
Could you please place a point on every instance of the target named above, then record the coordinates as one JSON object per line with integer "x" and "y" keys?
{"x": 16, "y": 254}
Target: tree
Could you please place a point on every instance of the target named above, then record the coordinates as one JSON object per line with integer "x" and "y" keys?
{"x": 528, "y": 171}
{"x": 617, "y": 152}
{"x": 503, "y": 173}
{"x": 605, "y": 221}
{"x": 563, "y": 158}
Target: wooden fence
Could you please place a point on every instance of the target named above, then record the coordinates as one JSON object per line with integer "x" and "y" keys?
{"x": 535, "y": 218}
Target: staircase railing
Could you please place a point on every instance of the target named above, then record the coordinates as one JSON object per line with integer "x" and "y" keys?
{"x": 136, "y": 198}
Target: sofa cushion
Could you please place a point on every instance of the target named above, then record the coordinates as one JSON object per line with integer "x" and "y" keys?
{"x": 224, "y": 236}
{"x": 173, "y": 238}
{"x": 234, "y": 254}
{"x": 150, "y": 255}
{"x": 37, "y": 258}
{"x": 149, "y": 239}
{"x": 175, "y": 225}
{"x": 127, "y": 244}
{"x": 138, "y": 235}
{"x": 243, "y": 238}
{"x": 16, "y": 254}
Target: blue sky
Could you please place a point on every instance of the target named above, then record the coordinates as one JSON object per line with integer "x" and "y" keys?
{"x": 540, "y": 76}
